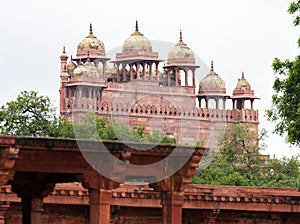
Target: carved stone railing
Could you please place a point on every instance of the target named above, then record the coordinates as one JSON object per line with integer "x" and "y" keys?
{"x": 245, "y": 115}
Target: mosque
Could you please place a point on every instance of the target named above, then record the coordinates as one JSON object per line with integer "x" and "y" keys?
{"x": 48, "y": 180}
{"x": 135, "y": 89}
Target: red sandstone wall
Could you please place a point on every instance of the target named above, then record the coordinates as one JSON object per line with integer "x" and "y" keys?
{"x": 52, "y": 214}
{"x": 71, "y": 214}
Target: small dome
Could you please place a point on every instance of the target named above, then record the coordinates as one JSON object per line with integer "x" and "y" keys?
{"x": 243, "y": 83}
{"x": 137, "y": 42}
{"x": 91, "y": 70}
{"x": 80, "y": 70}
{"x": 71, "y": 65}
{"x": 111, "y": 69}
{"x": 87, "y": 70}
{"x": 90, "y": 44}
{"x": 181, "y": 50}
{"x": 212, "y": 80}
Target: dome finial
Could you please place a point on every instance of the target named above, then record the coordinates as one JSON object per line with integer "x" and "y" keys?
{"x": 64, "y": 49}
{"x": 243, "y": 75}
{"x": 91, "y": 28}
{"x": 88, "y": 56}
{"x": 136, "y": 26}
{"x": 180, "y": 36}
{"x": 212, "y": 66}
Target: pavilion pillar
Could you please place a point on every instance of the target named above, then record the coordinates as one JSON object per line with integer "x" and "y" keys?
{"x": 206, "y": 103}
{"x": 131, "y": 72}
{"x": 100, "y": 201}
{"x": 233, "y": 104}
{"x": 150, "y": 71}
{"x": 138, "y": 71}
{"x": 194, "y": 82}
{"x": 251, "y": 103}
{"x": 186, "y": 77}
{"x": 156, "y": 71}
{"x": 103, "y": 69}
{"x": 144, "y": 70}
{"x": 172, "y": 203}
{"x": 169, "y": 77}
{"x": 217, "y": 103}
{"x": 243, "y": 104}
{"x": 118, "y": 73}
{"x": 199, "y": 99}
{"x": 124, "y": 73}
{"x": 224, "y": 104}
{"x": 176, "y": 77}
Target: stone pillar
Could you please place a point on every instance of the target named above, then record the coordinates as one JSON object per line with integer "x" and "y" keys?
{"x": 138, "y": 71}
{"x": 156, "y": 72}
{"x": 177, "y": 77}
{"x": 206, "y": 102}
{"x": 26, "y": 210}
{"x": 243, "y": 103}
{"x": 252, "y": 101}
{"x": 144, "y": 70}
{"x": 233, "y": 104}
{"x": 224, "y": 103}
{"x": 124, "y": 73}
{"x": 212, "y": 218}
{"x": 32, "y": 188}
{"x": 103, "y": 69}
{"x": 118, "y": 73}
{"x": 31, "y": 210}
{"x": 172, "y": 203}
{"x": 100, "y": 201}
{"x": 150, "y": 71}
{"x": 131, "y": 72}
{"x": 217, "y": 103}
{"x": 186, "y": 77}
{"x": 194, "y": 82}
{"x": 169, "y": 77}
{"x": 199, "y": 99}
{"x": 4, "y": 206}
{"x": 36, "y": 210}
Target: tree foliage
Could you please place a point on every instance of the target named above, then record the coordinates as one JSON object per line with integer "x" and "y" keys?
{"x": 240, "y": 163}
{"x": 33, "y": 115}
{"x": 30, "y": 114}
{"x": 101, "y": 128}
{"x": 285, "y": 110}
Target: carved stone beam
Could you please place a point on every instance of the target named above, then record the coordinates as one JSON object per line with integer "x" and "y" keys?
{"x": 8, "y": 157}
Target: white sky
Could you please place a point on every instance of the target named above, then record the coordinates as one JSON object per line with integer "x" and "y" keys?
{"x": 239, "y": 35}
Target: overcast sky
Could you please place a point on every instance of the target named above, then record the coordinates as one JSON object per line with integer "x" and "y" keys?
{"x": 239, "y": 35}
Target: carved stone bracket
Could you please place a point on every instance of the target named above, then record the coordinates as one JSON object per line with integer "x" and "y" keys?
{"x": 93, "y": 180}
{"x": 32, "y": 185}
{"x": 181, "y": 178}
{"x": 7, "y": 164}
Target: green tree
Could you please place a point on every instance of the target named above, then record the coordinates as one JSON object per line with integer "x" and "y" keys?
{"x": 33, "y": 115}
{"x": 95, "y": 128}
{"x": 240, "y": 163}
{"x": 29, "y": 115}
{"x": 285, "y": 110}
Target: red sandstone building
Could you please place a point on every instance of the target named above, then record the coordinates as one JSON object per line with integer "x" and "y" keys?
{"x": 45, "y": 180}
{"x": 134, "y": 88}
